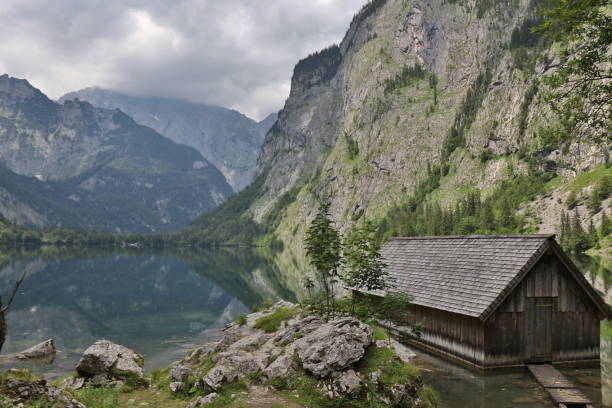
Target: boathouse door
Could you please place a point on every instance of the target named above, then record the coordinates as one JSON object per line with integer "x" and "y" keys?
{"x": 539, "y": 329}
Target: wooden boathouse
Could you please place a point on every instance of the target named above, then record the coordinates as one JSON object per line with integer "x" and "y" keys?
{"x": 497, "y": 301}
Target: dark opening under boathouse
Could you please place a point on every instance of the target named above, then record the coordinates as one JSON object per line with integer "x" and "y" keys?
{"x": 497, "y": 301}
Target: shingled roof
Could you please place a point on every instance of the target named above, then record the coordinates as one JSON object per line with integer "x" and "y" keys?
{"x": 469, "y": 275}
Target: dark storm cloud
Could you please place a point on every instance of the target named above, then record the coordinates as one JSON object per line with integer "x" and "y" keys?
{"x": 234, "y": 53}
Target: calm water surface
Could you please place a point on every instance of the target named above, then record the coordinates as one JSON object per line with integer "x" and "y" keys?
{"x": 162, "y": 304}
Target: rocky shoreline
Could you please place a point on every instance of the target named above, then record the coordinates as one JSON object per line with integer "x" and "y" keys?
{"x": 284, "y": 350}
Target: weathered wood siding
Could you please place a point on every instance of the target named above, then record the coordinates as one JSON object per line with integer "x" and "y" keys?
{"x": 453, "y": 333}
{"x": 547, "y": 317}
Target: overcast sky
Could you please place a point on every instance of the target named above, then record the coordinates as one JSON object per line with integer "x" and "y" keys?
{"x": 233, "y": 53}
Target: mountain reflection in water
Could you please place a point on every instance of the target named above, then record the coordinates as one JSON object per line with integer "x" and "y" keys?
{"x": 159, "y": 304}
{"x": 163, "y": 303}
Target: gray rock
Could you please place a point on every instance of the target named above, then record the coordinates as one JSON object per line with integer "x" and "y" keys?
{"x": 42, "y": 350}
{"x": 218, "y": 376}
{"x": 348, "y": 382}
{"x": 110, "y": 360}
{"x": 199, "y": 354}
{"x": 72, "y": 383}
{"x": 180, "y": 373}
{"x": 176, "y": 386}
{"x": 281, "y": 367}
{"x": 286, "y": 336}
{"x": 235, "y": 333}
{"x": 375, "y": 376}
{"x": 26, "y": 392}
{"x": 382, "y": 343}
{"x": 334, "y": 346}
{"x": 242, "y": 362}
{"x": 255, "y": 340}
{"x": 402, "y": 352}
{"x": 203, "y": 401}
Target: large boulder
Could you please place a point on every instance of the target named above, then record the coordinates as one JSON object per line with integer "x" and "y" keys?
{"x": 43, "y": 350}
{"x": 105, "y": 359}
{"x": 334, "y": 346}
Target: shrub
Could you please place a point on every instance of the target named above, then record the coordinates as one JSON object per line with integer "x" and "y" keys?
{"x": 267, "y": 303}
{"x": 272, "y": 322}
{"x": 572, "y": 200}
{"x": 241, "y": 319}
{"x": 486, "y": 155}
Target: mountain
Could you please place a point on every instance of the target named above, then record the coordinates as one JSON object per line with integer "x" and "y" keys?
{"x": 228, "y": 139}
{"x": 425, "y": 119}
{"x": 81, "y": 166}
{"x": 266, "y": 124}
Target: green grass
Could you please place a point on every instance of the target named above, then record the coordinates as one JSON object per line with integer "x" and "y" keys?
{"x": 393, "y": 369}
{"x": 302, "y": 388}
{"x": 272, "y": 322}
{"x": 379, "y": 333}
{"x": 230, "y": 396}
{"x": 99, "y": 397}
{"x": 588, "y": 178}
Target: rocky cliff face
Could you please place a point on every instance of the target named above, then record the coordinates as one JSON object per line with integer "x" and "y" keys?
{"x": 81, "y": 166}
{"x": 226, "y": 138}
{"x": 414, "y": 85}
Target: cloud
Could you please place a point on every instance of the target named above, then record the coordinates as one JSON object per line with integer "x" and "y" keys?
{"x": 234, "y": 53}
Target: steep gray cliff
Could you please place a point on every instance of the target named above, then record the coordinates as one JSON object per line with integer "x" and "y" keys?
{"x": 416, "y": 85}
{"x": 225, "y": 137}
{"x": 81, "y": 166}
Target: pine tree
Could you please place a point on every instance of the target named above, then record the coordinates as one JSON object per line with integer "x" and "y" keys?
{"x": 323, "y": 247}
{"x": 365, "y": 268}
{"x": 488, "y": 219}
{"x": 606, "y": 226}
{"x": 592, "y": 234}
{"x": 505, "y": 217}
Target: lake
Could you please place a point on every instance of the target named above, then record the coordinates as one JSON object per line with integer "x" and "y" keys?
{"x": 164, "y": 303}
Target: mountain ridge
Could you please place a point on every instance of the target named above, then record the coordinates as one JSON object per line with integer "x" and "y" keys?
{"x": 103, "y": 166}
{"x": 225, "y": 137}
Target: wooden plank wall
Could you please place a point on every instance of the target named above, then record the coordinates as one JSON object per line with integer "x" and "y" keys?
{"x": 575, "y": 319}
{"x": 451, "y": 332}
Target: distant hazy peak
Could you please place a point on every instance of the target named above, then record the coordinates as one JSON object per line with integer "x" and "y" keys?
{"x": 226, "y": 137}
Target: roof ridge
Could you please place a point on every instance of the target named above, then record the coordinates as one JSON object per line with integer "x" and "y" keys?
{"x": 497, "y": 236}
